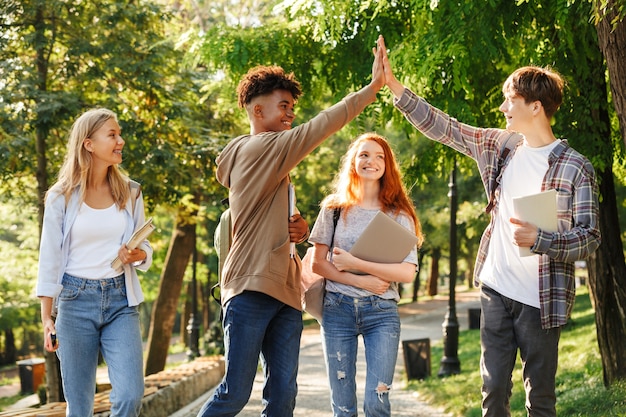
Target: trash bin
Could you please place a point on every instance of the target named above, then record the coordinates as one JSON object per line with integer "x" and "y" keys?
{"x": 32, "y": 372}
{"x": 416, "y": 358}
{"x": 474, "y": 318}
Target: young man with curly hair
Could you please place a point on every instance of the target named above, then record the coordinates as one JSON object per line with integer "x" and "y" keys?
{"x": 260, "y": 284}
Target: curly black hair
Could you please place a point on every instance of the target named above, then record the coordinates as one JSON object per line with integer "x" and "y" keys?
{"x": 263, "y": 80}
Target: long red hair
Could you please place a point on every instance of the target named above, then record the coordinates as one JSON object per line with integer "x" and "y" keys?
{"x": 392, "y": 195}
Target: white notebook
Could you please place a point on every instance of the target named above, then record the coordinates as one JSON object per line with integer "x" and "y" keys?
{"x": 538, "y": 209}
{"x": 384, "y": 241}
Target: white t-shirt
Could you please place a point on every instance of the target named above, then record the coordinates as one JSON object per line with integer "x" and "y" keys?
{"x": 95, "y": 238}
{"x": 505, "y": 270}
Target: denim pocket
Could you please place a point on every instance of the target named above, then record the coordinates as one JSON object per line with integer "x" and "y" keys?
{"x": 383, "y": 304}
{"x": 69, "y": 292}
{"x": 332, "y": 299}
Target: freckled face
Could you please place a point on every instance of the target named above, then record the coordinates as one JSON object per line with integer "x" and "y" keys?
{"x": 369, "y": 161}
{"x": 106, "y": 143}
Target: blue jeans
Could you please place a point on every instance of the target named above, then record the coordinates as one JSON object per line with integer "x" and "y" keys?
{"x": 377, "y": 320}
{"x": 94, "y": 316}
{"x": 255, "y": 323}
{"x": 505, "y": 327}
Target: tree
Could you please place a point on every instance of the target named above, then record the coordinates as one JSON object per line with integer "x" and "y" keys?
{"x": 60, "y": 58}
{"x": 18, "y": 309}
{"x": 609, "y": 269}
{"x": 165, "y": 306}
{"x": 611, "y": 27}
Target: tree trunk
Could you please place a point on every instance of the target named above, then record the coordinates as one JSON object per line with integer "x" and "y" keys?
{"x": 612, "y": 41}
{"x": 607, "y": 270}
{"x": 9, "y": 355}
{"x": 607, "y": 280}
{"x": 53, "y": 370}
{"x": 434, "y": 272}
{"x": 164, "y": 308}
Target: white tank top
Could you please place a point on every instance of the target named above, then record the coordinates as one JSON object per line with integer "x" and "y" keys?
{"x": 94, "y": 240}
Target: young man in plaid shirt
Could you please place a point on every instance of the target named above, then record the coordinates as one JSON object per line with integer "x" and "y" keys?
{"x": 525, "y": 299}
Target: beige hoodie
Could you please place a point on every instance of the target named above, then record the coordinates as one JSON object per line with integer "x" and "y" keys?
{"x": 256, "y": 169}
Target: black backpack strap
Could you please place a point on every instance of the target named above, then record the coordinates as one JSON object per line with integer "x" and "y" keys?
{"x": 336, "y": 214}
{"x": 505, "y": 149}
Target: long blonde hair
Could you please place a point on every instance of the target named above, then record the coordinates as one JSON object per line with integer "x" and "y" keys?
{"x": 392, "y": 195}
{"x": 77, "y": 166}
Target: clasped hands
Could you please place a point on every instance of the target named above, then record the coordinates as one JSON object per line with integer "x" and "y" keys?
{"x": 344, "y": 261}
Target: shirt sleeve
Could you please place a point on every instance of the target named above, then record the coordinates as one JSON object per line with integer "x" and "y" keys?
{"x": 323, "y": 230}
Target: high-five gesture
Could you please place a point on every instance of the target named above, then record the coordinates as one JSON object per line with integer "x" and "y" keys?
{"x": 392, "y": 82}
{"x": 378, "y": 74}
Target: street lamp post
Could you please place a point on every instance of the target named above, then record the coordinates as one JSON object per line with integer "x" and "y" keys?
{"x": 193, "y": 327}
{"x": 450, "y": 364}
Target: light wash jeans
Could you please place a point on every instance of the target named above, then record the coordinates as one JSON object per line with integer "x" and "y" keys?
{"x": 94, "y": 316}
{"x": 377, "y": 320}
{"x": 255, "y": 323}
{"x": 506, "y": 326}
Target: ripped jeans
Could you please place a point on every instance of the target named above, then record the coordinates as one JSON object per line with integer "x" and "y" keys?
{"x": 377, "y": 320}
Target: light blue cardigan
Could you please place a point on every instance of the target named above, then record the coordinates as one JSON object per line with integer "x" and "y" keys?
{"x": 54, "y": 247}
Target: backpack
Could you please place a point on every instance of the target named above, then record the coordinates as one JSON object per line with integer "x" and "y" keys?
{"x": 222, "y": 240}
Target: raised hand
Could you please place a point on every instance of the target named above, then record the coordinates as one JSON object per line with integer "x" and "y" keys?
{"x": 378, "y": 74}
{"x": 392, "y": 82}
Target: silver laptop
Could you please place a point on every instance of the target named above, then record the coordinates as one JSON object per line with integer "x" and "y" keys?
{"x": 384, "y": 241}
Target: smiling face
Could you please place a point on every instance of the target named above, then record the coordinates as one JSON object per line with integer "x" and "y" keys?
{"x": 272, "y": 112}
{"x": 519, "y": 114}
{"x": 369, "y": 161}
{"x": 106, "y": 143}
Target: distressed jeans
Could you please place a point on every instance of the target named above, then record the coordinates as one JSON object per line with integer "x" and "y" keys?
{"x": 506, "y": 326}
{"x": 94, "y": 317}
{"x": 377, "y": 320}
{"x": 255, "y": 323}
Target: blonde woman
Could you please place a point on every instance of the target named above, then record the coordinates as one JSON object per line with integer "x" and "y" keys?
{"x": 89, "y": 213}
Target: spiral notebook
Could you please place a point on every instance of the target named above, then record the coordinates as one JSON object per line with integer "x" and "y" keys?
{"x": 384, "y": 241}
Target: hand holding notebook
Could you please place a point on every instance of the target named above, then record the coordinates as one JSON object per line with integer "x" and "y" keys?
{"x": 538, "y": 209}
{"x": 138, "y": 236}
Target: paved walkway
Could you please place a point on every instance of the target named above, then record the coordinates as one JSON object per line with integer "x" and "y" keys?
{"x": 420, "y": 320}
{"x": 423, "y": 319}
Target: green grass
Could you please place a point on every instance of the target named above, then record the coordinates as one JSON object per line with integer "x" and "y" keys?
{"x": 7, "y": 401}
{"x": 580, "y": 389}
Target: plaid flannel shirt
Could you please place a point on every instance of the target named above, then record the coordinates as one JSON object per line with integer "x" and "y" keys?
{"x": 569, "y": 172}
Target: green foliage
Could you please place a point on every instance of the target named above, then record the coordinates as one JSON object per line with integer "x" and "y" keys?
{"x": 580, "y": 390}
{"x": 19, "y": 309}
{"x": 62, "y": 58}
